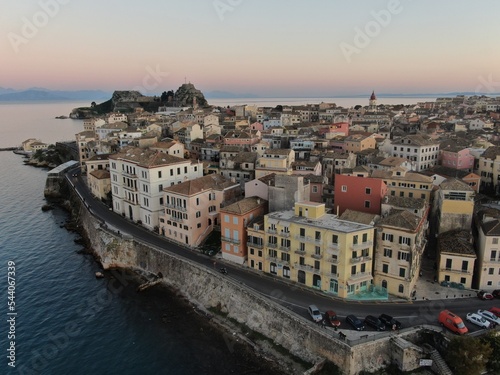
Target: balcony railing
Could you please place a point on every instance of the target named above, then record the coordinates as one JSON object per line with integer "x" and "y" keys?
{"x": 285, "y": 234}
{"x": 177, "y": 208}
{"x": 360, "y": 259}
{"x": 317, "y": 256}
{"x": 360, "y": 276}
{"x": 177, "y": 219}
{"x": 333, "y": 246}
{"x": 130, "y": 188}
{"x": 332, "y": 260}
{"x": 278, "y": 261}
{"x": 300, "y": 252}
{"x": 305, "y": 267}
{"x": 362, "y": 245}
{"x": 285, "y": 248}
{"x": 257, "y": 245}
{"x": 232, "y": 240}
{"x": 456, "y": 270}
{"x": 272, "y": 231}
{"x": 272, "y": 245}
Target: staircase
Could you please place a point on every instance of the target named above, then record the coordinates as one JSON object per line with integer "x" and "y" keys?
{"x": 439, "y": 365}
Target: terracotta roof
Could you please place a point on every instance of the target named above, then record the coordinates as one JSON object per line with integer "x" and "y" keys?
{"x": 147, "y": 158}
{"x": 358, "y": 217}
{"x": 491, "y": 152}
{"x": 408, "y": 176}
{"x": 456, "y": 241}
{"x": 100, "y": 174}
{"x": 401, "y": 219}
{"x": 278, "y": 151}
{"x": 404, "y": 202}
{"x": 243, "y": 206}
{"x": 454, "y": 184}
{"x": 416, "y": 140}
{"x": 268, "y": 179}
{"x": 198, "y": 185}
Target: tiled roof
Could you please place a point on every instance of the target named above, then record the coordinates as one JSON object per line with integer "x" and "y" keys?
{"x": 409, "y": 176}
{"x": 416, "y": 140}
{"x": 209, "y": 182}
{"x": 358, "y": 217}
{"x": 268, "y": 179}
{"x": 401, "y": 219}
{"x": 99, "y": 157}
{"x": 100, "y": 174}
{"x": 243, "y": 206}
{"x": 491, "y": 152}
{"x": 147, "y": 158}
{"x": 454, "y": 184}
{"x": 456, "y": 241}
{"x": 278, "y": 151}
{"x": 404, "y": 202}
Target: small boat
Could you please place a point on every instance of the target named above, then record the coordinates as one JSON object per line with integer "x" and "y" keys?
{"x": 62, "y": 117}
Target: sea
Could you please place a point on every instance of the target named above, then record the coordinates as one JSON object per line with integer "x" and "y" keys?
{"x": 56, "y": 316}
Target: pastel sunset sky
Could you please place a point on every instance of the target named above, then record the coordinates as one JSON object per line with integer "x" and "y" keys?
{"x": 264, "y": 47}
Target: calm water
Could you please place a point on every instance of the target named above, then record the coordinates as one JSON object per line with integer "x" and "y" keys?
{"x": 69, "y": 322}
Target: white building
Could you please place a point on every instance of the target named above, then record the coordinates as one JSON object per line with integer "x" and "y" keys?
{"x": 138, "y": 177}
{"x": 421, "y": 150}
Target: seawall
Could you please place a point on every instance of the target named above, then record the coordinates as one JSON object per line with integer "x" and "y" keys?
{"x": 212, "y": 290}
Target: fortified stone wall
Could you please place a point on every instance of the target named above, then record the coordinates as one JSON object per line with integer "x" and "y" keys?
{"x": 213, "y": 290}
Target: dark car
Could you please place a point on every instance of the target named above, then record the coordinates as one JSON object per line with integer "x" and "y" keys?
{"x": 355, "y": 322}
{"x": 484, "y": 295}
{"x": 496, "y": 293}
{"x": 375, "y": 323}
{"x": 331, "y": 318}
{"x": 390, "y": 322}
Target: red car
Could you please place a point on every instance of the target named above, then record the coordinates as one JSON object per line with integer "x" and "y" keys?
{"x": 331, "y": 318}
{"x": 484, "y": 295}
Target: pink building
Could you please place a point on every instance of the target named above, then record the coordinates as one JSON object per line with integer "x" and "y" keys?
{"x": 363, "y": 194}
{"x": 339, "y": 128}
{"x": 457, "y": 158}
{"x": 244, "y": 138}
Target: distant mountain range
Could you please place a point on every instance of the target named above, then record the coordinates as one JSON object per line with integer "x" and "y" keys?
{"x": 41, "y": 94}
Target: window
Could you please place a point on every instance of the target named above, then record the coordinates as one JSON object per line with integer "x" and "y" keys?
{"x": 403, "y": 255}
{"x": 465, "y": 266}
{"x": 198, "y": 225}
{"x": 353, "y": 270}
{"x": 401, "y": 288}
{"x": 302, "y": 232}
{"x": 344, "y": 188}
{"x": 316, "y": 264}
{"x": 388, "y": 253}
{"x": 235, "y": 220}
{"x": 368, "y": 191}
{"x": 463, "y": 280}
{"x": 226, "y": 218}
{"x": 448, "y": 264}
{"x": 198, "y": 213}
{"x": 317, "y": 250}
{"x": 333, "y": 269}
{"x": 494, "y": 241}
{"x": 355, "y": 239}
{"x": 491, "y": 271}
{"x": 160, "y": 187}
{"x": 365, "y": 237}
{"x": 385, "y": 268}
{"x": 285, "y": 257}
{"x": 159, "y": 174}
{"x": 387, "y": 237}
{"x": 405, "y": 240}
{"x": 335, "y": 239}
{"x": 367, "y": 204}
{"x": 402, "y": 272}
{"x": 315, "y": 189}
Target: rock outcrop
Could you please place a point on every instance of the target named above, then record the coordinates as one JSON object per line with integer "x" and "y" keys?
{"x": 188, "y": 95}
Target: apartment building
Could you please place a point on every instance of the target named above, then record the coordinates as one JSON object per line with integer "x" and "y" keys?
{"x": 275, "y": 160}
{"x": 403, "y": 183}
{"x": 234, "y": 220}
{"x": 457, "y": 258}
{"x": 419, "y": 149}
{"x": 487, "y": 270}
{"x": 138, "y": 177}
{"x": 317, "y": 250}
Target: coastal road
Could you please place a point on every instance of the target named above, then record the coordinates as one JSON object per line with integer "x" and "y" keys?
{"x": 290, "y": 295}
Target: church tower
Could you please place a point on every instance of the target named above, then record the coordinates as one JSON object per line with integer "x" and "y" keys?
{"x": 373, "y": 102}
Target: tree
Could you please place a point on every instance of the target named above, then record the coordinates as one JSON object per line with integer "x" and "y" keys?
{"x": 468, "y": 355}
{"x": 163, "y": 97}
{"x": 92, "y": 105}
{"x": 493, "y": 340}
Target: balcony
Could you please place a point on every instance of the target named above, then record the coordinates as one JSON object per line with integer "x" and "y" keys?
{"x": 333, "y": 252}
{"x": 300, "y": 252}
{"x": 129, "y": 175}
{"x": 130, "y": 188}
{"x": 256, "y": 245}
{"x": 285, "y": 248}
{"x": 278, "y": 261}
{"x": 271, "y": 231}
{"x": 231, "y": 240}
{"x": 285, "y": 234}
{"x": 317, "y": 256}
{"x": 362, "y": 245}
{"x": 359, "y": 277}
{"x": 306, "y": 267}
{"x": 467, "y": 272}
{"x": 332, "y": 260}
{"x": 360, "y": 259}
{"x": 272, "y": 245}
{"x": 176, "y": 219}
{"x": 333, "y": 246}
{"x": 177, "y": 208}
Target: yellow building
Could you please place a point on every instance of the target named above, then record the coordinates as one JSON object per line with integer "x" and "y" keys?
{"x": 487, "y": 270}
{"x": 255, "y": 243}
{"x": 456, "y": 257}
{"x": 403, "y": 183}
{"x": 454, "y": 205}
{"x": 275, "y": 160}
{"x": 317, "y": 249}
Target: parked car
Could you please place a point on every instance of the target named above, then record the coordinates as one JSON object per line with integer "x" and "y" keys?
{"x": 478, "y": 320}
{"x": 315, "y": 314}
{"x": 453, "y": 322}
{"x": 484, "y": 295}
{"x": 375, "y": 322}
{"x": 495, "y": 310}
{"x": 331, "y": 318}
{"x": 496, "y": 293}
{"x": 390, "y": 322}
{"x": 488, "y": 315}
{"x": 355, "y": 322}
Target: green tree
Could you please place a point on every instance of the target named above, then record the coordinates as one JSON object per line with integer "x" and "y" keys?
{"x": 493, "y": 340}
{"x": 468, "y": 355}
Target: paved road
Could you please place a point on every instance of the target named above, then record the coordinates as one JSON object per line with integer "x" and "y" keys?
{"x": 293, "y": 297}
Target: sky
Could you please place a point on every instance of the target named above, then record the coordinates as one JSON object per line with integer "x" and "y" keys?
{"x": 279, "y": 48}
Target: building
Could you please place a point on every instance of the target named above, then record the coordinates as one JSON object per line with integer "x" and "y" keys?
{"x": 275, "y": 160}
{"x": 255, "y": 244}
{"x": 400, "y": 245}
{"x": 457, "y": 158}
{"x": 99, "y": 183}
{"x": 453, "y": 205}
{"x": 138, "y": 177}
{"x": 359, "y": 142}
{"x": 456, "y": 258}
{"x": 359, "y": 194}
{"x": 487, "y": 270}
{"x": 489, "y": 168}
{"x": 403, "y": 183}
{"x": 317, "y": 250}
{"x": 419, "y": 149}
{"x": 191, "y": 208}
{"x": 234, "y": 221}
